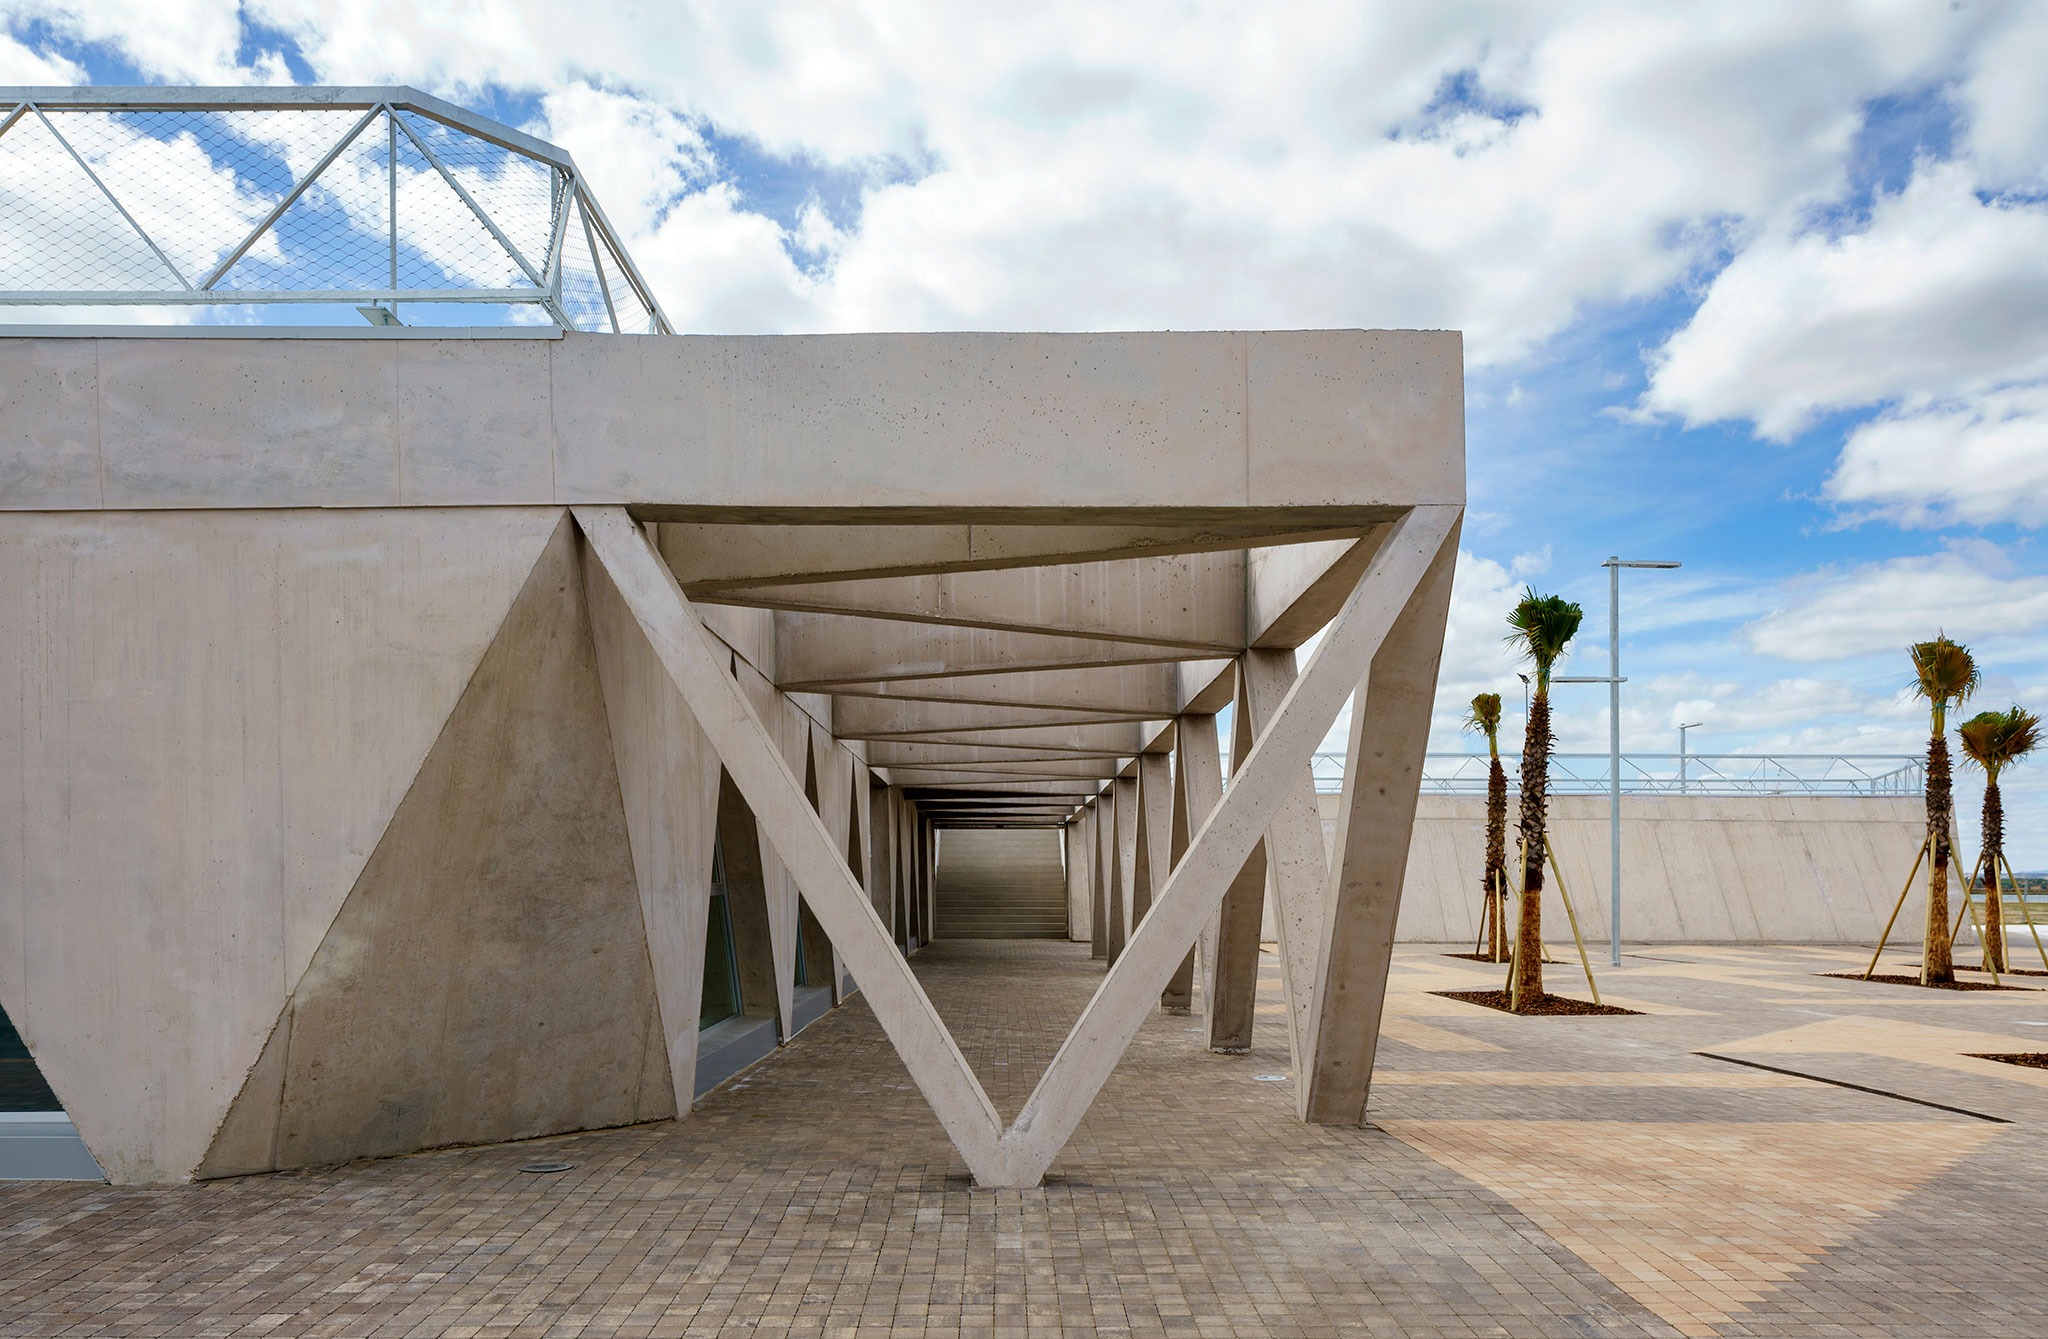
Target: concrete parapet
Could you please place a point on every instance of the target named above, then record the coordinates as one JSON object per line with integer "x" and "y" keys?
{"x": 1697, "y": 869}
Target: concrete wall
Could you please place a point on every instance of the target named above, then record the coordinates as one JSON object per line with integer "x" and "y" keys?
{"x": 1697, "y": 869}
{"x": 1346, "y": 420}
{"x": 350, "y": 805}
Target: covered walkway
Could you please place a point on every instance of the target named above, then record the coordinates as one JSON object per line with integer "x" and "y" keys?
{"x": 1528, "y": 1177}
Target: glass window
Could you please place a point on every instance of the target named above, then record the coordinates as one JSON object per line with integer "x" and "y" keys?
{"x": 721, "y": 970}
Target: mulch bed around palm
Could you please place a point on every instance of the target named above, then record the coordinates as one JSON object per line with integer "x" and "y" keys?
{"x": 2030, "y": 1059}
{"x": 1903, "y": 980}
{"x": 1546, "y": 1004}
{"x": 1478, "y": 957}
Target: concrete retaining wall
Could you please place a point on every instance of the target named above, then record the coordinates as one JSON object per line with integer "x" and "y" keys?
{"x": 1697, "y": 869}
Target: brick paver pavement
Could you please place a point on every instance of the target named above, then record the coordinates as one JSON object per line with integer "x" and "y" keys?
{"x": 1552, "y": 1176}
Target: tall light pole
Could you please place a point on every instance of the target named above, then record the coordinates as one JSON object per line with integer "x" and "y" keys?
{"x": 1681, "y": 752}
{"x": 1614, "y": 566}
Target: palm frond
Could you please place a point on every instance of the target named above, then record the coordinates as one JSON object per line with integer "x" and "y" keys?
{"x": 1484, "y": 718}
{"x": 1996, "y": 739}
{"x": 1943, "y": 671}
{"x": 1542, "y": 626}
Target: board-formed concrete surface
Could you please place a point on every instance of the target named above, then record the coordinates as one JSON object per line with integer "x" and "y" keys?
{"x": 386, "y": 700}
{"x": 1765, "y": 869}
{"x": 1520, "y": 1177}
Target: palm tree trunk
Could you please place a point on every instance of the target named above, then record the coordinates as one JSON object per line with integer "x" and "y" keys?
{"x": 1535, "y": 791}
{"x": 1991, "y": 858}
{"x": 1937, "y": 963}
{"x": 1495, "y": 879}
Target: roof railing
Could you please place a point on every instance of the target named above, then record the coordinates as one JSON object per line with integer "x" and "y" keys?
{"x": 1866, "y": 774}
{"x": 378, "y": 198}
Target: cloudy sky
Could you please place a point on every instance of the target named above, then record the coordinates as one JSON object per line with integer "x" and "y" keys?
{"x": 1763, "y": 288}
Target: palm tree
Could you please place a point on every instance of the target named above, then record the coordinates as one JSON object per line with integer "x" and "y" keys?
{"x": 1484, "y": 718}
{"x": 1944, "y": 674}
{"x": 1994, "y": 740}
{"x": 1543, "y": 625}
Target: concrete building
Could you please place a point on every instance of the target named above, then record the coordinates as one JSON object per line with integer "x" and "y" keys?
{"x": 428, "y": 738}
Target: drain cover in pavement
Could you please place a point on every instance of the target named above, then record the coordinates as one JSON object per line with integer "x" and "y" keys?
{"x": 547, "y": 1167}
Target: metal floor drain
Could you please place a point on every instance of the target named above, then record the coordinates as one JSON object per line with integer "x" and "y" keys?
{"x": 547, "y": 1167}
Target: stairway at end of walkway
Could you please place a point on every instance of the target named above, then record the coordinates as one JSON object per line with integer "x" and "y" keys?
{"x": 1001, "y": 883}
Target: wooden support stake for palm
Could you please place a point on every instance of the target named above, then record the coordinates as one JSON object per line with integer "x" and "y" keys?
{"x": 1970, "y": 904}
{"x": 2025, "y": 914}
{"x": 1573, "y": 917}
{"x": 1898, "y": 906}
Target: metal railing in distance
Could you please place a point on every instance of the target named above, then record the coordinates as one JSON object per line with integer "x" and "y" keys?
{"x": 383, "y": 199}
{"x": 1866, "y": 774}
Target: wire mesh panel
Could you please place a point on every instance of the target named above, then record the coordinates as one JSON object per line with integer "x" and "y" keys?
{"x": 58, "y": 228}
{"x": 227, "y": 197}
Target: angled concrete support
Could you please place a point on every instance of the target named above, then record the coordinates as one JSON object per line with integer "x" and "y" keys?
{"x": 746, "y": 900}
{"x": 1155, "y": 832}
{"x": 1382, "y": 773}
{"x": 1230, "y": 980}
{"x": 1123, "y": 892}
{"x": 776, "y": 797}
{"x": 1078, "y": 837}
{"x": 1102, "y": 875}
{"x": 1294, "y": 857}
{"x": 669, "y": 782}
{"x": 1198, "y": 786}
{"x": 1420, "y": 542}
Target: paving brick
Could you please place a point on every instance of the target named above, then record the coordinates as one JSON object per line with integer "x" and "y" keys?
{"x": 1554, "y": 1176}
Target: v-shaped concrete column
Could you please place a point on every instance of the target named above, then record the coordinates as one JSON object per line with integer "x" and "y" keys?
{"x": 788, "y": 822}
{"x": 1420, "y": 541}
{"x": 1375, "y": 821}
{"x": 1103, "y": 876}
{"x": 1020, "y": 1155}
{"x": 1155, "y": 832}
{"x": 1197, "y": 787}
{"x": 1125, "y": 865}
{"x": 1294, "y": 858}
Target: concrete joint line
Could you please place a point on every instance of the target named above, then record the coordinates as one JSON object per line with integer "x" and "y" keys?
{"x": 1019, "y": 1156}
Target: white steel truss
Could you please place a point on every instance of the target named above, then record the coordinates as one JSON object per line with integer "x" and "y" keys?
{"x": 374, "y": 197}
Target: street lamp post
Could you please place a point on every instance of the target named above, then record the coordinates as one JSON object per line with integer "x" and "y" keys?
{"x": 1614, "y": 566}
{"x": 1681, "y": 752}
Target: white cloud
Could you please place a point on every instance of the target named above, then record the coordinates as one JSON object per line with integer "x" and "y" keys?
{"x": 1968, "y": 591}
{"x": 177, "y": 41}
{"x": 1158, "y": 164}
{"x": 1943, "y": 294}
{"x": 1975, "y": 463}
{"x": 20, "y": 65}
{"x": 2007, "y": 114}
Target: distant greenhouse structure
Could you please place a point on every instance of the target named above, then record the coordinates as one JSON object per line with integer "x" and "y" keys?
{"x": 385, "y": 200}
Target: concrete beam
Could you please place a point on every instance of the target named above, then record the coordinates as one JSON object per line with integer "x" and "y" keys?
{"x": 1115, "y": 739}
{"x": 821, "y": 651}
{"x": 1293, "y": 590}
{"x": 1118, "y": 692}
{"x": 915, "y": 777}
{"x": 868, "y": 718}
{"x": 1094, "y": 428}
{"x": 710, "y": 556}
{"x": 1190, "y": 602}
